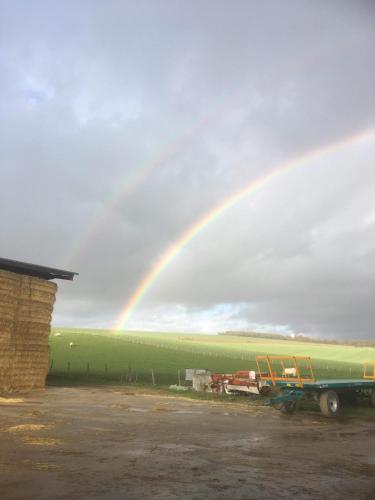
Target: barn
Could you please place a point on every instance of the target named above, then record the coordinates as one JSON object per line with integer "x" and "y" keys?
{"x": 27, "y": 296}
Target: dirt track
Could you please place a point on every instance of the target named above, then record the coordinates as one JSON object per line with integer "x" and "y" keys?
{"x": 110, "y": 443}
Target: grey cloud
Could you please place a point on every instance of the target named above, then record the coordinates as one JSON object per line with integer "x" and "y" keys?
{"x": 210, "y": 95}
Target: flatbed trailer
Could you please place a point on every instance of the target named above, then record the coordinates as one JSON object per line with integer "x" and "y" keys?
{"x": 328, "y": 393}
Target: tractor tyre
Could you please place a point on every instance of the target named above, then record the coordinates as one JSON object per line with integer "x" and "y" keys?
{"x": 329, "y": 403}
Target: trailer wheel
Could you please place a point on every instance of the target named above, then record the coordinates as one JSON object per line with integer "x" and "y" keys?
{"x": 329, "y": 403}
{"x": 372, "y": 400}
{"x": 265, "y": 390}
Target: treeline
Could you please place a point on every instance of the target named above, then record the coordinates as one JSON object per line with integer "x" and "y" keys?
{"x": 300, "y": 338}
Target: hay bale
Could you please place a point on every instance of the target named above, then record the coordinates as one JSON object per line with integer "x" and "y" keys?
{"x": 6, "y": 329}
{"x": 26, "y": 305}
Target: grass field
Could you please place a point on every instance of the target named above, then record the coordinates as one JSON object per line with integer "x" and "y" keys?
{"x": 101, "y": 355}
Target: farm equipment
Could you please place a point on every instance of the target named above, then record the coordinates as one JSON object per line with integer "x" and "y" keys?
{"x": 240, "y": 382}
{"x": 293, "y": 379}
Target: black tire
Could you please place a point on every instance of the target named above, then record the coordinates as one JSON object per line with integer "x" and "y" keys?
{"x": 372, "y": 398}
{"x": 265, "y": 390}
{"x": 329, "y": 403}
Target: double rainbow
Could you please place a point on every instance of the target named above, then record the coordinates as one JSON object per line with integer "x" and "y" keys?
{"x": 173, "y": 250}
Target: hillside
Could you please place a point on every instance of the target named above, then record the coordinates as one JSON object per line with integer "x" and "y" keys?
{"x": 132, "y": 356}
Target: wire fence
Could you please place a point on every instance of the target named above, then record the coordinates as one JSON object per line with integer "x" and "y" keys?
{"x": 107, "y": 373}
{"x": 129, "y": 374}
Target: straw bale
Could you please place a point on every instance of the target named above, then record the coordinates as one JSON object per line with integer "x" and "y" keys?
{"x": 6, "y": 356}
{"x": 8, "y": 307}
{"x": 26, "y": 305}
{"x": 30, "y": 331}
{"x": 37, "y": 289}
{"x": 9, "y": 283}
{"x": 6, "y": 329}
{"x": 31, "y": 312}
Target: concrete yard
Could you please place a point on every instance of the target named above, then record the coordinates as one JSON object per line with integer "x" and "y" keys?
{"x": 123, "y": 443}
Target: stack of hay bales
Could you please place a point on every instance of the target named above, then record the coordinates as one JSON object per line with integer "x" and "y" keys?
{"x": 26, "y": 305}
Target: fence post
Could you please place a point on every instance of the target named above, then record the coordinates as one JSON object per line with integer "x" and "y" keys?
{"x": 68, "y": 367}
{"x": 179, "y": 377}
{"x": 50, "y": 368}
{"x": 153, "y": 377}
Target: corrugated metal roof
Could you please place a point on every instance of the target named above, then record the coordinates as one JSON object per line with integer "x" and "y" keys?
{"x": 47, "y": 273}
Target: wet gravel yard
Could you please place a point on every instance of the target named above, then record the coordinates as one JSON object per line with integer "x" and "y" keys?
{"x": 120, "y": 443}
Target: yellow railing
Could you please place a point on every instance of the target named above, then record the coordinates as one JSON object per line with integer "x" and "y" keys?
{"x": 285, "y": 368}
{"x": 369, "y": 370}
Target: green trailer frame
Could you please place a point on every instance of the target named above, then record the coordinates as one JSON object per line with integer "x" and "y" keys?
{"x": 293, "y": 379}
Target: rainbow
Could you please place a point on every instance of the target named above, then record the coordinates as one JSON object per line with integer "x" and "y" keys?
{"x": 173, "y": 250}
{"x": 129, "y": 184}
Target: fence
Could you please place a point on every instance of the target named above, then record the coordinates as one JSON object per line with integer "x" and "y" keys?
{"x": 93, "y": 372}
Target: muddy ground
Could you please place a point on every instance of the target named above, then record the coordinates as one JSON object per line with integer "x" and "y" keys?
{"x": 114, "y": 443}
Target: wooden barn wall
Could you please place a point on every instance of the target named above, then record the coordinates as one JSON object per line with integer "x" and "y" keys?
{"x": 26, "y": 305}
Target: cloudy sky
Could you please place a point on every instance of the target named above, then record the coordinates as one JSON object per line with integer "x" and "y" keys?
{"x": 123, "y": 123}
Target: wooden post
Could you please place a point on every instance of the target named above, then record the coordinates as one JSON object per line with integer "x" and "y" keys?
{"x": 152, "y": 377}
{"x": 50, "y": 368}
{"x": 179, "y": 377}
{"x": 68, "y": 367}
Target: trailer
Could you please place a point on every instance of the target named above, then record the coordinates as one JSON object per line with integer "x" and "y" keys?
{"x": 292, "y": 379}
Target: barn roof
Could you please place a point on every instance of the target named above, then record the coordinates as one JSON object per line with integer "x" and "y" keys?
{"x": 47, "y": 273}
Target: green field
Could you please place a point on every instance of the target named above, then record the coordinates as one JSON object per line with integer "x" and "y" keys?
{"x": 101, "y": 355}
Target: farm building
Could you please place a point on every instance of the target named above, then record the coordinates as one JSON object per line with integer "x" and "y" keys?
{"x": 27, "y": 297}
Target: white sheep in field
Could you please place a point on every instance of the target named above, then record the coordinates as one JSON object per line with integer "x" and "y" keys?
{"x": 57, "y": 334}
{"x": 290, "y": 372}
{"x": 72, "y": 344}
